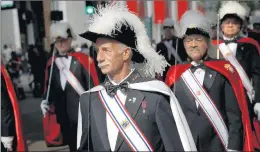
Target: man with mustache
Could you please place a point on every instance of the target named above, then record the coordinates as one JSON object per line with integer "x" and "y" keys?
{"x": 129, "y": 112}
{"x": 210, "y": 91}
{"x": 66, "y": 77}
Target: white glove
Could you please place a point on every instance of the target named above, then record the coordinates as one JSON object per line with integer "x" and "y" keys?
{"x": 8, "y": 142}
{"x": 257, "y": 110}
{"x": 45, "y": 107}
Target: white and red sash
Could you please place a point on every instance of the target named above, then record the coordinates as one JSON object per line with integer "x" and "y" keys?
{"x": 228, "y": 55}
{"x": 207, "y": 105}
{"x": 124, "y": 123}
{"x": 69, "y": 76}
{"x": 153, "y": 86}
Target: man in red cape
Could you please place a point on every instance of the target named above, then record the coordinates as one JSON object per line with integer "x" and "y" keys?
{"x": 60, "y": 108}
{"x": 221, "y": 83}
{"x": 246, "y": 50}
{"x": 11, "y": 126}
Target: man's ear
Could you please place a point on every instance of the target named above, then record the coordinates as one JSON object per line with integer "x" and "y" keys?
{"x": 127, "y": 54}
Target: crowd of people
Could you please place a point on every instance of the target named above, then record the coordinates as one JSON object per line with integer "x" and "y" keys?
{"x": 197, "y": 90}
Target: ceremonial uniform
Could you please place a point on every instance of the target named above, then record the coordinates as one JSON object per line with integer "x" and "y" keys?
{"x": 170, "y": 58}
{"x": 150, "y": 111}
{"x": 254, "y": 35}
{"x": 11, "y": 128}
{"x": 246, "y": 53}
{"x": 72, "y": 74}
{"x": 170, "y": 48}
{"x": 135, "y": 112}
{"x": 209, "y": 94}
{"x": 243, "y": 54}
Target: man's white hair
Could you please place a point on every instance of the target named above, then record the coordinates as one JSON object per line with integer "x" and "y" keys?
{"x": 122, "y": 47}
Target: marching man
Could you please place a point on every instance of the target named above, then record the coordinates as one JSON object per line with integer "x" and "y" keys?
{"x": 67, "y": 76}
{"x": 211, "y": 97}
{"x": 128, "y": 112}
{"x": 12, "y": 138}
{"x": 242, "y": 53}
{"x": 169, "y": 47}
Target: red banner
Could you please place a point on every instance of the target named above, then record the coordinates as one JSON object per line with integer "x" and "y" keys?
{"x": 132, "y": 5}
{"x": 183, "y": 6}
{"x": 159, "y": 11}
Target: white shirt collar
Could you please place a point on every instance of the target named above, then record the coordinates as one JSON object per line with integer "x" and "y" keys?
{"x": 114, "y": 83}
{"x": 195, "y": 63}
{"x": 226, "y": 38}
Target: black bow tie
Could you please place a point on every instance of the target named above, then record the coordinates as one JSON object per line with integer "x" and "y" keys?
{"x": 60, "y": 56}
{"x": 193, "y": 68}
{"x": 111, "y": 89}
{"x": 231, "y": 41}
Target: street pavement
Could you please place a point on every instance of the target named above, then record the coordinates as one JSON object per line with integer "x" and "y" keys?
{"x": 32, "y": 121}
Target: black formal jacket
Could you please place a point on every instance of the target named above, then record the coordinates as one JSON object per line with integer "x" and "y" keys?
{"x": 248, "y": 57}
{"x": 66, "y": 101}
{"x": 254, "y": 35}
{"x": 222, "y": 94}
{"x": 162, "y": 49}
{"x": 157, "y": 123}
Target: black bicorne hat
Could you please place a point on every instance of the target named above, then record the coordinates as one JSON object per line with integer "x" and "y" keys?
{"x": 125, "y": 35}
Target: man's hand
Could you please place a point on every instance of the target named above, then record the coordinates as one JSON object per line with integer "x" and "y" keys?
{"x": 257, "y": 110}
{"x": 8, "y": 142}
{"x": 45, "y": 107}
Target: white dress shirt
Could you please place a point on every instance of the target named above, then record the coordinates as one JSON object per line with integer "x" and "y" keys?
{"x": 66, "y": 62}
{"x": 199, "y": 74}
{"x": 232, "y": 46}
{"x": 112, "y": 130}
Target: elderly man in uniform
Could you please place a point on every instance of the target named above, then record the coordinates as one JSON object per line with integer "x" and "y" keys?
{"x": 171, "y": 45}
{"x": 241, "y": 52}
{"x": 128, "y": 112}
{"x": 71, "y": 73}
{"x": 209, "y": 92}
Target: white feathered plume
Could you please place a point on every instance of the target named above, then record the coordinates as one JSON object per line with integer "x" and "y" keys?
{"x": 106, "y": 20}
{"x": 232, "y": 7}
{"x": 60, "y": 30}
{"x": 194, "y": 19}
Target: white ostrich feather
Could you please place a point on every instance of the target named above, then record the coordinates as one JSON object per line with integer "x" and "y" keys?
{"x": 60, "y": 30}
{"x": 232, "y": 7}
{"x": 194, "y": 19}
{"x": 111, "y": 17}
